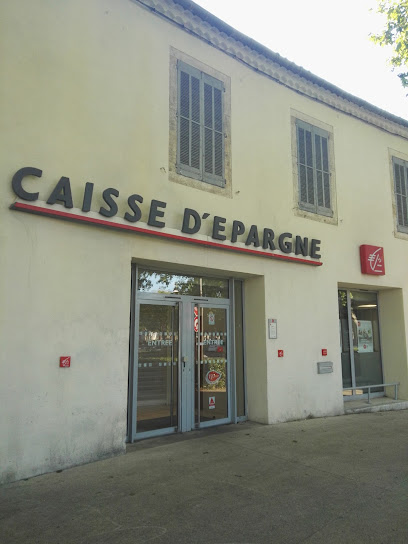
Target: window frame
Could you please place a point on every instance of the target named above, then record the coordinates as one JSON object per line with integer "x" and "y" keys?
{"x": 184, "y": 169}
{"x": 404, "y": 164}
{"x": 323, "y": 133}
{"x": 180, "y": 175}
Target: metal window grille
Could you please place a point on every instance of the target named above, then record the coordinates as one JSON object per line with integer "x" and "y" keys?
{"x": 313, "y": 169}
{"x": 200, "y": 129}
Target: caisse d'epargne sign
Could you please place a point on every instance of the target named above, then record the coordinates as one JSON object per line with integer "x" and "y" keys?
{"x": 230, "y": 235}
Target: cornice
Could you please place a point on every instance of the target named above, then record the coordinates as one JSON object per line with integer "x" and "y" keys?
{"x": 197, "y": 26}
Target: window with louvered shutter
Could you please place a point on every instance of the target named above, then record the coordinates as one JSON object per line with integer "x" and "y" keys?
{"x": 400, "y": 168}
{"x": 313, "y": 169}
{"x": 200, "y": 149}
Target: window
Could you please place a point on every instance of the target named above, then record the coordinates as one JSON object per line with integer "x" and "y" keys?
{"x": 313, "y": 165}
{"x": 400, "y": 169}
{"x": 200, "y": 125}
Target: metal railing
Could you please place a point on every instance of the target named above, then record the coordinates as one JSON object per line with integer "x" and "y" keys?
{"x": 369, "y": 387}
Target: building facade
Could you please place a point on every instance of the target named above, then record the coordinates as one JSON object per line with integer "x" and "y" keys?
{"x": 194, "y": 232}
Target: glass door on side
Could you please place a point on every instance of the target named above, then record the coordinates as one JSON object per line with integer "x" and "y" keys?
{"x": 212, "y": 374}
{"x": 360, "y": 342}
{"x": 366, "y": 339}
{"x": 157, "y": 372}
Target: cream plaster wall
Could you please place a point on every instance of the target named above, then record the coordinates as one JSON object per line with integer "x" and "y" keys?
{"x": 84, "y": 93}
{"x": 393, "y": 335}
{"x": 257, "y": 378}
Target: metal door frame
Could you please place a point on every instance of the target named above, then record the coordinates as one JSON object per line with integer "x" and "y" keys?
{"x": 186, "y": 419}
{"x": 230, "y": 338}
{"x": 133, "y": 375}
{"x": 351, "y": 346}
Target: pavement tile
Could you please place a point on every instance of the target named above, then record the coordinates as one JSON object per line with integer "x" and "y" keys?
{"x": 341, "y": 479}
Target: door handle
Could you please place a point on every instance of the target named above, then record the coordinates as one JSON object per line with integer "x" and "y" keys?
{"x": 184, "y": 360}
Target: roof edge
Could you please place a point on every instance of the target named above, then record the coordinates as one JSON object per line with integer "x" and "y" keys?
{"x": 220, "y": 25}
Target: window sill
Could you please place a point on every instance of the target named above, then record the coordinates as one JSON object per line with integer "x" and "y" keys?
{"x": 317, "y": 217}
{"x": 198, "y": 184}
{"x": 400, "y": 234}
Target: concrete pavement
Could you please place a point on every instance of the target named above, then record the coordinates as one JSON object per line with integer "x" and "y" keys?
{"x": 341, "y": 479}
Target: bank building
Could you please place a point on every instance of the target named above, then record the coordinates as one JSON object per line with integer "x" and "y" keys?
{"x": 194, "y": 232}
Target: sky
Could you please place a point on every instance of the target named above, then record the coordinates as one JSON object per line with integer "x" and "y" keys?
{"x": 330, "y": 38}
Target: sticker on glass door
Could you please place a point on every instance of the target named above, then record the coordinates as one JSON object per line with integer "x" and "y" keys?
{"x": 211, "y": 364}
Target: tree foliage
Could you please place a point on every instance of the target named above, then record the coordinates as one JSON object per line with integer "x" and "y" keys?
{"x": 395, "y": 34}
{"x": 163, "y": 282}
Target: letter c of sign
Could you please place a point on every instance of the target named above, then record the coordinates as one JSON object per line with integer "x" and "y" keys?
{"x": 18, "y": 178}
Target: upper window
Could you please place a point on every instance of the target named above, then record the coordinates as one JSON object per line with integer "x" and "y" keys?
{"x": 313, "y": 169}
{"x": 200, "y": 125}
{"x": 400, "y": 168}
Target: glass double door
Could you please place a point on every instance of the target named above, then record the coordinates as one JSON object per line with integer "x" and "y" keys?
{"x": 360, "y": 342}
{"x": 182, "y": 368}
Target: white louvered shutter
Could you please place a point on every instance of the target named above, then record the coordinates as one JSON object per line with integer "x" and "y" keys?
{"x": 305, "y": 165}
{"x": 213, "y": 171}
{"x": 313, "y": 168}
{"x": 189, "y": 120}
{"x": 322, "y": 174}
{"x": 200, "y": 135}
{"x": 400, "y": 187}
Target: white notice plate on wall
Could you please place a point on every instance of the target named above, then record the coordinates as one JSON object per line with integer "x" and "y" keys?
{"x": 273, "y": 328}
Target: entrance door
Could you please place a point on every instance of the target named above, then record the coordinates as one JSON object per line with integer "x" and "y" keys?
{"x": 157, "y": 367}
{"x": 212, "y": 374}
{"x": 360, "y": 342}
{"x": 181, "y": 375}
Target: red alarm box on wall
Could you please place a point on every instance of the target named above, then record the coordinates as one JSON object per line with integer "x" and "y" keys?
{"x": 65, "y": 361}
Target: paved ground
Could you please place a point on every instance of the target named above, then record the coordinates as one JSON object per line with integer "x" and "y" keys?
{"x": 335, "y": 480}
